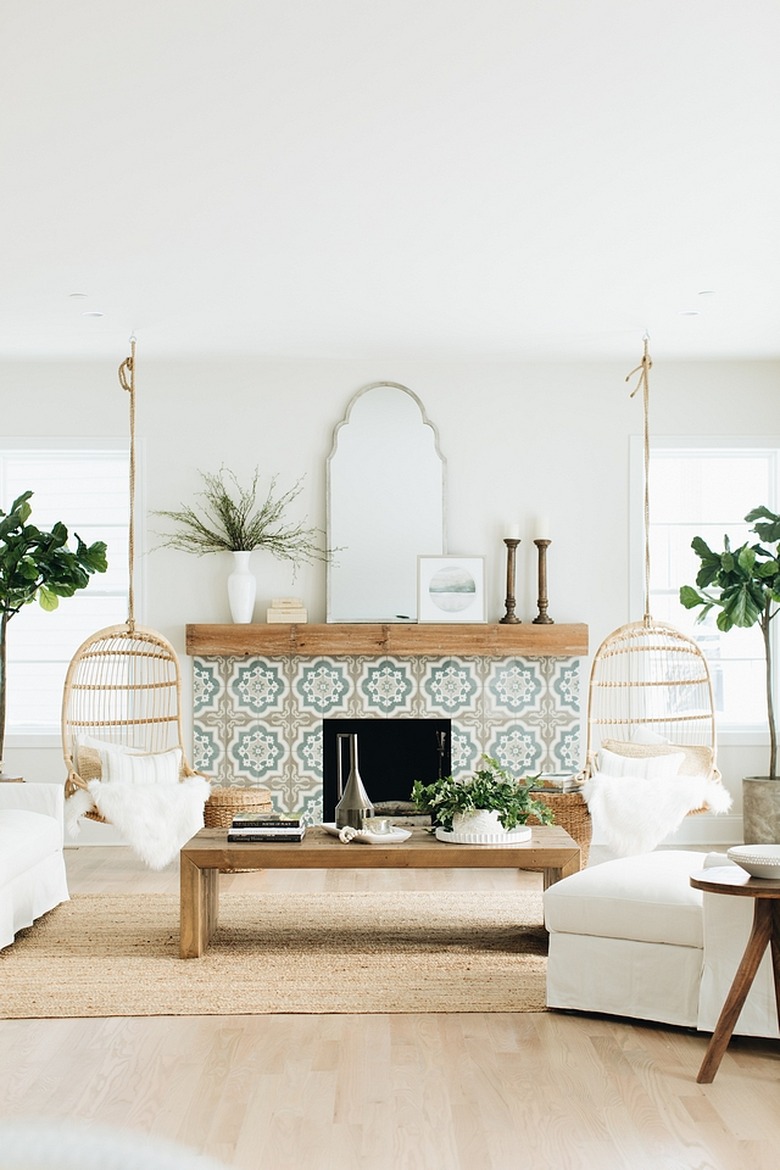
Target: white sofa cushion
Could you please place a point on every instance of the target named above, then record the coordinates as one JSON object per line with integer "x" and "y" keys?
{"x": 647, "y": 898}
{"x": 25, "y": 839}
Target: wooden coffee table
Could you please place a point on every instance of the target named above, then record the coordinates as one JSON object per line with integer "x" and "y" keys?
{"x": 550, "y": 851}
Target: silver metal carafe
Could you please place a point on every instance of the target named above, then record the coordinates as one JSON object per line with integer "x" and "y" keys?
{"x": 353, "y": 806}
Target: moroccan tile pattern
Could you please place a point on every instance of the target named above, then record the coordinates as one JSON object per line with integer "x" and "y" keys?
{"x": 258, "y": 721}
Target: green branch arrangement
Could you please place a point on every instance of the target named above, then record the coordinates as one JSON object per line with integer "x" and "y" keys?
{"x": 489, "y": 787}
{"x": 230, "y": 519}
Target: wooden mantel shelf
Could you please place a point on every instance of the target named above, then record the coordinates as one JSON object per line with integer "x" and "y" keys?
{"x": 489, "y": 641}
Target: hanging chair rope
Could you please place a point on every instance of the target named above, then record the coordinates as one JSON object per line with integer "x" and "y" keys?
{"x": 127, "y": 382}
{"x": 643, "y": 383}
{"x": 650, "y": 690}
{"x": 123, "y": 684}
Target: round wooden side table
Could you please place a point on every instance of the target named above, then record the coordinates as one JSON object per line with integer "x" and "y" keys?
{"x": 764, "y": 932}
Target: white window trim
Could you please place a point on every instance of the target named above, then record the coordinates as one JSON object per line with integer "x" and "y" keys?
{"x": 735, "y": 736}
{"x": 38, "y": 445}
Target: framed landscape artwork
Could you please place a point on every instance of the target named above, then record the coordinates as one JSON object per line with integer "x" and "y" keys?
{"x": 451, "y": 589}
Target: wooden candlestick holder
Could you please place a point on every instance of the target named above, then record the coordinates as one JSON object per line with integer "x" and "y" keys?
{"x": 542, "y": 618}
{"x": 510, "y": 618}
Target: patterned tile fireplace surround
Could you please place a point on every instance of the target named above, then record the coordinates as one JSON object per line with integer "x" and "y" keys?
{"x": 260, "y": 694}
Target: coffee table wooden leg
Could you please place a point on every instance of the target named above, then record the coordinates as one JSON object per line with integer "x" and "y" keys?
{"x": 554, "y": 874}
{"x": 199, "y": 908}
{"x": 760, "y": 936}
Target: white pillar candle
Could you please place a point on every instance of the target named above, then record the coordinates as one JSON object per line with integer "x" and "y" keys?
{"x": 513, "y": 532}
{"x": 542, "y": 528}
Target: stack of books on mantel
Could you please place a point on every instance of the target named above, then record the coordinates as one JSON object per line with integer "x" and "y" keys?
{"x": 251, "y": 827}
{"x": 287, "y": 609}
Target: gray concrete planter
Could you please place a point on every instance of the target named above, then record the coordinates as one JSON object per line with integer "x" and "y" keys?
{"x": 761, "y": 810}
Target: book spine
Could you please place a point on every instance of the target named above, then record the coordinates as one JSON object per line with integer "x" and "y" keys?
{"x": 239, "y": 837}
{"x": 264, "y": 823}
{"x": 267, "y": 832}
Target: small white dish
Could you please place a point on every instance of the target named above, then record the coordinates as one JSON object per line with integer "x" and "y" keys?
{"x": 761, "y": 861}
{"x": 394, "y": 837}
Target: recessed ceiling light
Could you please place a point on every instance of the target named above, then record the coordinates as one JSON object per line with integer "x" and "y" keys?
{"x": 92, "y": 314}
{"x": 77, "y": 296}
{"x": 688, "y": 313}
{"x": 707, "y": 292}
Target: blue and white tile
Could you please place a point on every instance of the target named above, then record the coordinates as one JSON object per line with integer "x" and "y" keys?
{"x": 208, "y": 750}
{"x": 322, "y": 686}
{"x": 258, "y": 686}
{"x": 465, "y": 750}
{"x": 307, "y": 752}
{"x": 208, "y": 685}
{"x": 566, "y": 750}
{"x": 386, "y": 687}
{"x": 565, "y": 684}
{"x": 518, "y": 749}
{"x": 256, "y": 752}
{"x": 451, "y": 686}
{"x": 514, "y": 686}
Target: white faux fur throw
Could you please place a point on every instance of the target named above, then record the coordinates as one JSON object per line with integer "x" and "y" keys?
{"x": 631, "y": 814}
{"x": 155, "y": 819}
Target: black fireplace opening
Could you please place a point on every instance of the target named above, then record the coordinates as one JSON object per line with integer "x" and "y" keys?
{"x": 392, "y": 754}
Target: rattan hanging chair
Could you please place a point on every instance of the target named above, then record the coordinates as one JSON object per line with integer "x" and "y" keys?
{"x": 650, "y": 691}
{"x": 123, "y": 685}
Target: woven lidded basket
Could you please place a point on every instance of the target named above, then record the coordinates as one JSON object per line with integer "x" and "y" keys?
{"x": 224, "y": 803}
{"x": 571, "y": 813}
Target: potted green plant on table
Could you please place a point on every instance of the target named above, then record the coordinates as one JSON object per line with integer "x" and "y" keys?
{"x": 488, "y": 804}
{"x": 37, "y": 565}
{"x": 231, "y": 518}
{"x": 743, "y": 585}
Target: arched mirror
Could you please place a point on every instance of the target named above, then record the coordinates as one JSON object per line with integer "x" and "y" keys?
{"x": 385, "y": 478}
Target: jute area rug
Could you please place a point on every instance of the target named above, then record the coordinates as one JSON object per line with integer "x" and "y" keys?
{"x": 426, "y": 951}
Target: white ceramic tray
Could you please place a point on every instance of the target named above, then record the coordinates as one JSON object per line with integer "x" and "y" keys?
{"x": 395, "y": 836}
{"x": 512, "y": 837}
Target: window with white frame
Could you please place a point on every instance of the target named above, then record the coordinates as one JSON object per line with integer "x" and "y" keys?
{"x": 86, "y": 487}
{"x": 705, "y": 488}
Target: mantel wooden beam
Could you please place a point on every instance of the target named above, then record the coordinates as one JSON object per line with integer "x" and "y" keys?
{"x": 489, "y": 641}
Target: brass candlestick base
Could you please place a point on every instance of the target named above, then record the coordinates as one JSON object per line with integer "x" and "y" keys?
{"x": 510, "y": 618}
{"x": 542, "y": 618}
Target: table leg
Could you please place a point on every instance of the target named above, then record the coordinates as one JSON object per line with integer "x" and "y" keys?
{"x": 553, "y": 874}
{"x": 763, "y": 931}
{"x": 198, "y": 908}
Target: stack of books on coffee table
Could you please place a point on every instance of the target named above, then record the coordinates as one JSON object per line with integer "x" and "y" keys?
{"x": 251, "y": 827}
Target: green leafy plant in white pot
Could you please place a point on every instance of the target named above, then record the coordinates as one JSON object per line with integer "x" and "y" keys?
{"x": 232, "y": 518}
{"x": 488, "y": 804}
{"x": 37, "y": 566}
{"x": 743, "y": 585}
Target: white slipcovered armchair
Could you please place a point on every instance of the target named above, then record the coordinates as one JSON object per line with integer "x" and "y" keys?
{"x": 631, "y": 937}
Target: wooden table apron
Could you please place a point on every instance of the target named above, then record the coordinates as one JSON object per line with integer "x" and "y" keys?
{"x": 764, "y": 933}
{"x": 550, "y": 851}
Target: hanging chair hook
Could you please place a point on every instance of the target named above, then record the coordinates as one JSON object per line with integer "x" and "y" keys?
{"x": 127, "y": 367}
{"x": 643, "y": 369}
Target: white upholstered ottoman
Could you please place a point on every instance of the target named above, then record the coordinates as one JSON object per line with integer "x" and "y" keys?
{"x": 626, "y": 938}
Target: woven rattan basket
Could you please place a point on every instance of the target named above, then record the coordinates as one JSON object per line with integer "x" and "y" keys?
{"x": 571, "y": 813}
{"x": 224, "y": 803}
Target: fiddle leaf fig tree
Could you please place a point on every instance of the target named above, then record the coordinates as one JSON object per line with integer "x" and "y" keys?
{"x": 743, "y": 584}
{"x": 37, "y": 565}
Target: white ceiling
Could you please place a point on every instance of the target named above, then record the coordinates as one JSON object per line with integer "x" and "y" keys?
{"x": 532, "y": 179}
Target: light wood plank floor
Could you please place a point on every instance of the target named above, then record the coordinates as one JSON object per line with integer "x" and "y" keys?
{"x": 429, "y": 1092}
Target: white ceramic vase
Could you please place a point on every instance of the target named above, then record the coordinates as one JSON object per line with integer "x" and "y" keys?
{"x": 242, "y": 588}
{"x": 478, "y": 822}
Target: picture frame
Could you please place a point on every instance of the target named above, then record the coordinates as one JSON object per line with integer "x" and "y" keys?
{"x": 450, "y": 589}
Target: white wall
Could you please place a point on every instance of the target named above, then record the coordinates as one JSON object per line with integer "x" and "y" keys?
{"x": 519, "y": 440}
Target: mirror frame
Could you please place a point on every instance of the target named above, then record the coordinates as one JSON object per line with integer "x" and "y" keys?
{"x": 424, "y": 421}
